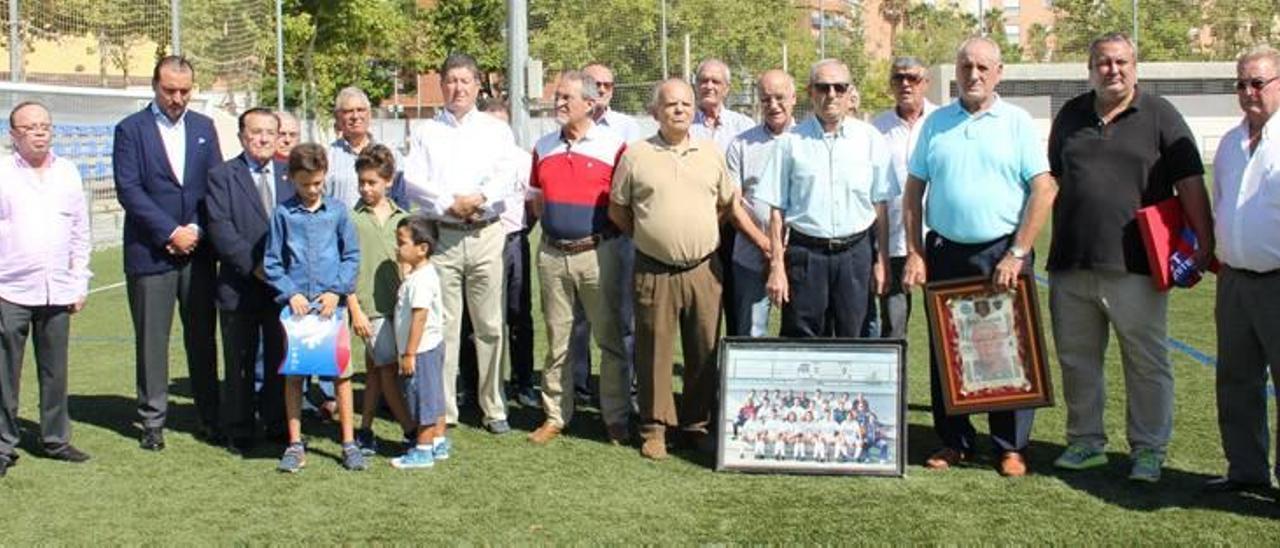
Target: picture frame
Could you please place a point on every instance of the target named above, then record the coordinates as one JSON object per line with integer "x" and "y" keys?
{"x": 989, "y": 345}
{"x": 812, "y": 406}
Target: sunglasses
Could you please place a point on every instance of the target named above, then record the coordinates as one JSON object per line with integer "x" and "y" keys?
{"x": 1256, "y": 83}
{"x": 901, "y": 77}
{"x": 826, "y": 87}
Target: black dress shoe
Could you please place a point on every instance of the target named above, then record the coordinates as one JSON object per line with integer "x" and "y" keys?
{"x": 67, "y": 453}
{"x": 152, "y": 439}
{"x": 1227, "y": 485}
{"x": 5, "y": 463}
{"x": 241, "y": 445}
{"x": 212, "y": 436}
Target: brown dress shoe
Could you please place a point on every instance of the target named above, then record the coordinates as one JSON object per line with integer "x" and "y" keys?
{"x": 619, "y": 434}
{"x": 1012, "y": 465}
{"x": 544, "y": 434}
{"x": 945, "y": 458}
{"x": 654, "y": 449}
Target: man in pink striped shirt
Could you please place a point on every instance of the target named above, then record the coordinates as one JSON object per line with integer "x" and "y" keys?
{"x": 44, "y": 277}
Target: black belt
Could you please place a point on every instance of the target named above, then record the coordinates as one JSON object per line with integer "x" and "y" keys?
{"x": 475, "y": 225}
{"x": 668, "y": 268}
{"x": 826, "y": 244}
{"x": 581, "y": 244}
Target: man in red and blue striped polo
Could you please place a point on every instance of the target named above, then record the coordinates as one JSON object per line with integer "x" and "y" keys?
{"x": 577, "y": 260}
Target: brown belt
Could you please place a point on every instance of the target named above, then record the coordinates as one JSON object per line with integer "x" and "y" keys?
{"x": 668, "y": 268}
{"x": 467, "y": 227}
{"x": 581, "y": 244}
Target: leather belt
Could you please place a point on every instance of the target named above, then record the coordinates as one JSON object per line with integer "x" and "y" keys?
{"x": 668, "y": 268}
{"x": 826, "y": 244}
{"x": 581, "y": 244}
{"x": 467, "y": 227}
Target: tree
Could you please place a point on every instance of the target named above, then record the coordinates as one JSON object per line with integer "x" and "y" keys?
{"x": 1037, "y": 49}
{"x": 894, "y": 12}
{"x": 1166, "y": 27}
{"x": 1236, "y": 25}
{"x": 932, "y": 33}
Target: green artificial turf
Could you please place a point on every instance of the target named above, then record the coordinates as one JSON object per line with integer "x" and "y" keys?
{"x": 579, "y": 489}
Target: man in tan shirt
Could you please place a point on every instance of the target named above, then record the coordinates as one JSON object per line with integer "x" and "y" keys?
{"x": 668, "y": 193}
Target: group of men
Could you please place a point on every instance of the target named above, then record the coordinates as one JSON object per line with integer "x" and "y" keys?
{"x": 646, "y": 239}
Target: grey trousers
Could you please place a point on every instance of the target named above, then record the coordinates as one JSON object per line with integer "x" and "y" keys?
{"x": 151, "y": 301}
{"x": 50, "y": 326}
{"x": 1084, "y": 305}
{"x": 1248, "y": 319}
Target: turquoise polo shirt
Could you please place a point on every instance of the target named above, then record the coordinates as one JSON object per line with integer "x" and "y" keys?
{"x": 827, "y": 184}
{"x": 978, "y": 169}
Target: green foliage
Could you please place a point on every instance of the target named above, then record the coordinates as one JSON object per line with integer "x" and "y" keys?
{"x": 1166, "y": 27}
{"x": 474, "y": 27}
{"x": 932, "y": 33}
{"x": 1037, "y": 48}
{"x": 1236, "y": 25}
{"x": 117, "y": 25}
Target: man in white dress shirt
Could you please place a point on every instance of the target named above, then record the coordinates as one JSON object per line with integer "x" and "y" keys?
{"x": 459, "y": 170}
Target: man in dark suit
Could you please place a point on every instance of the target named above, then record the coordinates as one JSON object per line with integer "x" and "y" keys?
{"x": 243, "y": 193}
{"x": 161, "y": 158}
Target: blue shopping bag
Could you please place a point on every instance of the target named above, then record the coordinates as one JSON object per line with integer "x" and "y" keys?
{"x": 315, "y": 345}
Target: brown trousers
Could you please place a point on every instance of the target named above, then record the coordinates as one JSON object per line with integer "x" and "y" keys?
{"x": 670, "y": 299}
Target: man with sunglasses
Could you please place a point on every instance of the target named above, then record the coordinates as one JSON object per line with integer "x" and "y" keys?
{"x": 1246, "y": 194}
{"x": 828, "y": 182}
{"x": 900, "y": 125}
{"x": 989, "y": 192}
{"x": 1113, "y": 150}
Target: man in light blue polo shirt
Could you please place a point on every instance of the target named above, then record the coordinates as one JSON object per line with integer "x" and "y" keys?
{"x": 990, "y": 193}
{"x": 828, "y": 182}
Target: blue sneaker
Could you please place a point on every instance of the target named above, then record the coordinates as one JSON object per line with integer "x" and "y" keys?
{"x": 352, "y": 458}
{"x": 441, "y": 450}
{"x": 367, "y": 442}
{"x": 294, "y": 458}
{"x": 415, "y": 458}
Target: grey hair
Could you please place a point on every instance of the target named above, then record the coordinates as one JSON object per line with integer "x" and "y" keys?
{"x": 907, "y": 62}
{"x": 713, "y": 62}
{"x": 350, "y": 92}
{"x": 791, "y": 82}
{"x": 1260, "y": 52}
{"x": 813, "y": 70}
{"x": 979, "y": 40}
{"x": 1109, "y": 38}
{"x": 589, "y": 89}
{"x": 657, "y": 92}
{"x": 283, "y": 115}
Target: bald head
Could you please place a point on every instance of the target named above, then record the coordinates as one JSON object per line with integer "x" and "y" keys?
{"x": 978, "y": 72}
{"x": 672, "y": 107}
{"x": 777, "y": 92}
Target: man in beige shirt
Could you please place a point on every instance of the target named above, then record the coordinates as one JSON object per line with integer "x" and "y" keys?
{"x": 668, "y": 193}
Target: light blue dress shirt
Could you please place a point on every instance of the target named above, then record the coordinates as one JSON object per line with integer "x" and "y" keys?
{"x": 827, "y": 184}
{"x": 978, "y": 170}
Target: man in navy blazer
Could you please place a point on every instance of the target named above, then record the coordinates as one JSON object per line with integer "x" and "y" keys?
{"x": 161, "y": 159}
{"x": 243, "y": 193}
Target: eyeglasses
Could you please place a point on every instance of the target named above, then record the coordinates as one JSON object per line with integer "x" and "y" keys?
{"x": 34, "y": 128}
{"x": 906, "y": 77}
{"x": 1255, "y": 83}
{"x": 604, "y": 85}
{"x": 827, "y": 87}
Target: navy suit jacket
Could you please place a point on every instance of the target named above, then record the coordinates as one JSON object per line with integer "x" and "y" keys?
{"x": 238, "y": 226}
{"x": 154, "y": 203}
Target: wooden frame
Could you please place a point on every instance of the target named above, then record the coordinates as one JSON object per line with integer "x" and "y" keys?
{"x": 988, "y": 345}
{"x": 854, "y": 388}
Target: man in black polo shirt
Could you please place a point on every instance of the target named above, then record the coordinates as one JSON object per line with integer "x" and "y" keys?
{"x": 1113, "y": 150}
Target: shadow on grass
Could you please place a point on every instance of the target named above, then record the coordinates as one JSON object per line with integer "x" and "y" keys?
{"x": 120, "y": 414}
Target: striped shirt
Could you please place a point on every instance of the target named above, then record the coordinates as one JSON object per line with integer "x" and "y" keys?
{"x": 574, "y": 180}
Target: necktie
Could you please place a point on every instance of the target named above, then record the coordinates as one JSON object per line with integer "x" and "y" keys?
{"x": 264, "y": 191}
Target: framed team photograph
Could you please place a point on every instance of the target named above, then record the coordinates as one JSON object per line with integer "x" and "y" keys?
{"x": 817, "y": 406}
{"x": 990, "y": 345}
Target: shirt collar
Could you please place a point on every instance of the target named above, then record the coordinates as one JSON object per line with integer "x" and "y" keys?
{"x": 996, "y": 109}
{"x": 925, "y": 109}
{"x": 689, "y": 144}
{"x": 164, "y": 118}
{"x": 257, "y": 167}
{"x": 362, "y": 207}
{"x": 590, "y": 135}
{"x": 295, "y": 205}
{"x": 448, "y": 117}
{"x": 813, "y": 126}
{"x": 700, "y": 117}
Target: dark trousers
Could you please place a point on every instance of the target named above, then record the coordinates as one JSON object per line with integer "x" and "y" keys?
{"x": 829, "y": 290}
{"x": 670, "y": 303}
{"x": 519, "y": 302}
{"x": 895, "y": 305}
{"x": 242, "y": 332}
{"x": 947, "y": 260}
{"x": 1248, "y": 322}
{"x": 151, "y": 301}
{"x": 50, "y": 325}
{"x": 728, "y": 234}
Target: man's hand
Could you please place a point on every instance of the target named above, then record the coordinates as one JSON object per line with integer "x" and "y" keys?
{"x": 777, "y": 288}
{"x": 466, "y": 206}
{"x": 78, "y": 305}
{"x": 260, "y": 273}
{"x": 360, "y": 324}
{"x": 1203, "y": 256}
{"x": 1006, "y": 273}
{"x": 183, "y": 241}
{"x": 328, "y": 303}
{"x": 879, "y": 281}
{"x": 913, "y": 271}
{"x": 408, "y": 363}
{"x": 299, "y": 305}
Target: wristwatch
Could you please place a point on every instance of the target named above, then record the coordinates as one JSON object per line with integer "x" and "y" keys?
{"x": 1017, "y": 252}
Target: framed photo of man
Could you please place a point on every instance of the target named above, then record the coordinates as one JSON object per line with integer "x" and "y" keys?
{"x": 989, "y": 345}
{"x": 817, "y": 406}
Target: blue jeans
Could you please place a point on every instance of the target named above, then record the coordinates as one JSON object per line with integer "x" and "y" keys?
{"x": 750, "y": 301}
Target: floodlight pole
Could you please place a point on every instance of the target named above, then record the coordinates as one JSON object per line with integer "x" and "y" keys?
{"x": 666, "y": 73}
{"x": 280, "y": 55}
{"x": 1135, "y": 30}
{"x": 175, "y": 25}
{"x": 517, "y": 58}
{"x": 15, "y": 43}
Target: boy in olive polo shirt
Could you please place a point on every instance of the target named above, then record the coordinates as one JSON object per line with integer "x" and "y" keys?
{"x": 374, "y": 302}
